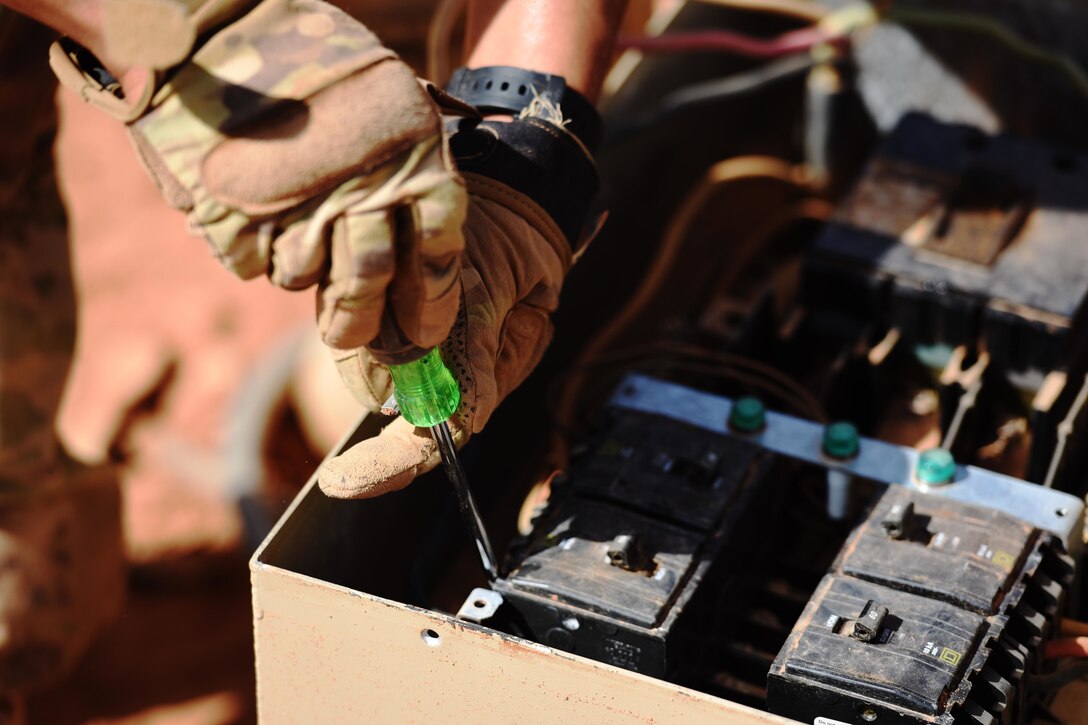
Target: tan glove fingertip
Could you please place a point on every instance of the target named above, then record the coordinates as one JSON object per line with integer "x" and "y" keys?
{"x": 388, "y": 462}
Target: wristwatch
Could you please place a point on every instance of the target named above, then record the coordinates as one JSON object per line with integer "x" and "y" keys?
{"x": 506, "y": 89}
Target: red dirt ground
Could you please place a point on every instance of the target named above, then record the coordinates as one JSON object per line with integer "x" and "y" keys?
{"x": 153, "y": 300}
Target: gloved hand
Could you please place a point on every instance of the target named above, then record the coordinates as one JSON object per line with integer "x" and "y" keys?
{"x": 515, "y": 261}
{"x": 301, "y": 149}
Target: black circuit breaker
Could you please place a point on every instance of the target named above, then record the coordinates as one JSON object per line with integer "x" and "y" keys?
{"x": 932, "y": 613}
{"x": 955, "y": 237}
{"x": 629, "y": 538}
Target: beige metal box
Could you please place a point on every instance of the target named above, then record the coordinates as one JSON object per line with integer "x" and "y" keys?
{"x": 333, "y": 646}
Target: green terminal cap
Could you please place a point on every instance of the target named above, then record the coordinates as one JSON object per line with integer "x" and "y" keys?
{"x": 748, "y": 415}
{"x": 425, "y": 390}
{"x": 935, "y": 467}
{"x": 841, "y": 440}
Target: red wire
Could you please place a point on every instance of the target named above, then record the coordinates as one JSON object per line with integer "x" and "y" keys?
{"x": 1067, "y": 647}
{"x": 794, "y": 41}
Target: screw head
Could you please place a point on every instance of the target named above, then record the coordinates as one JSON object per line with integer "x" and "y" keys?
{"x": 936, "y": 467}
{"x": 841, "y": 440}
{"x": 748, "y": 415}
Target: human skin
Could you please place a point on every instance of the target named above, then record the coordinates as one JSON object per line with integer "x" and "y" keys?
{"x": 571, "y": 38}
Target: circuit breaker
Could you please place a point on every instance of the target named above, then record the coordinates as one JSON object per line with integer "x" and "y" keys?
{"x": 933, "y": 612}
{"x": 954, "y": 236}
{"x": 630, "y": 537}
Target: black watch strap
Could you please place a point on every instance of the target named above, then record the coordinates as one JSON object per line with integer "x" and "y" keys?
{"x": 506, "y": 89}
{"x": 531, "y": 157}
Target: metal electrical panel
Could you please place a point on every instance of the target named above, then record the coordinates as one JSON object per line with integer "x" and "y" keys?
{"x": 676, "y": 546}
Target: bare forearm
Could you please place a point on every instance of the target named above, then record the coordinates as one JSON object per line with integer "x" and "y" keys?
{"x": 571, "y": 38}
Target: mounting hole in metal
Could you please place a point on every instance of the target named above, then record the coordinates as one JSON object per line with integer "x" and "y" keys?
{"x": 430, "y": 638}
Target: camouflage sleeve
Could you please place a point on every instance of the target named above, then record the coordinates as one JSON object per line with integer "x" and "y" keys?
{"x": 303, "y": 149}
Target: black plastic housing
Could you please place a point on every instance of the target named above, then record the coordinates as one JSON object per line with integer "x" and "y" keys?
{"x": 965, "y": 596}
{"x": 644, "y": 523}
{"x": 959, "y": 238}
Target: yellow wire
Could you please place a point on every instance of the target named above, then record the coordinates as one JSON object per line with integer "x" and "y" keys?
{"x": 657, "y": 357}
{"x": 996, "y": 30}
{"x": 807, "y": 208}
{"x": 850, "y": 18}
{"x": 862, "y": 15}
{"x": 801, "y": 9}
{"x": 809, "y": 404}
{"x": 724, "y": 172}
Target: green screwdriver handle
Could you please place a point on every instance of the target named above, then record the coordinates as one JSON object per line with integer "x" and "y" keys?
{"x": 425, "y": 390}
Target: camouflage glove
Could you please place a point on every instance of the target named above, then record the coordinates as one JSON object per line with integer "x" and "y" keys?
{"x": 515, "y": 261}
{"x": 301, "y": 149}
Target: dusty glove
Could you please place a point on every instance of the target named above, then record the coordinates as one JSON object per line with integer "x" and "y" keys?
{"x": 62, "y": 573}
{"x": 515, "y": 261}
{"x": 301, "y": 149}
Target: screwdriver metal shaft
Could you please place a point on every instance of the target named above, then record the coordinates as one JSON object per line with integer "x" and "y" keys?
{"x": 427, "y": 396}
{"x": 471, "y": 515}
